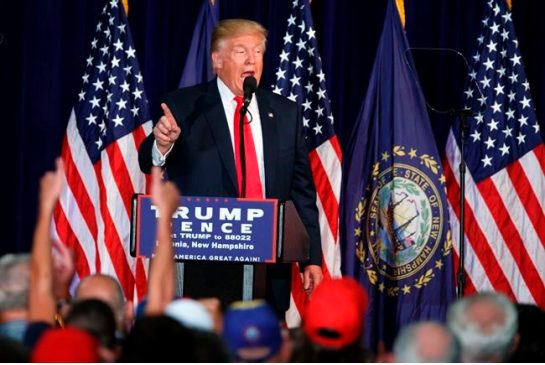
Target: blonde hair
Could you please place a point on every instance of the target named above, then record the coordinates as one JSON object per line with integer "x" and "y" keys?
{"x": 230, "y": 28}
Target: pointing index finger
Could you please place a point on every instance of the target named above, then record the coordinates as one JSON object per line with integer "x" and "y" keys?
{"x": 167, "y": 112}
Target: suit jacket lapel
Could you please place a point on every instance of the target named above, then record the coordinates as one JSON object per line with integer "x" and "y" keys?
{"x": 269, "y": 129}
{"x": 215, "y": 115}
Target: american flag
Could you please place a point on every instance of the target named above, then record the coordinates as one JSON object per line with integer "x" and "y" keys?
{"x": 300, "y": 78}
{"x": 505, "y": 156}
{"x": 107, "y": 124}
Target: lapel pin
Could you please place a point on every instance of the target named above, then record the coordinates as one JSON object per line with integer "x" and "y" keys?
{"x": 271, "y": 115}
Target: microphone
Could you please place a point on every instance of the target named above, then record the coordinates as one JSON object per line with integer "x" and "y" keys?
{"x": 249, "y": 86}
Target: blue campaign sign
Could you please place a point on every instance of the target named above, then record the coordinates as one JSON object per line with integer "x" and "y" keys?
{"x": 213, "y": 229}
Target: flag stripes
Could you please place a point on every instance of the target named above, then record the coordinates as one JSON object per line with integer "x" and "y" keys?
{"x": 300, "y": 78}
{"x": 100, "y": 154}
{"x": 500, "y": 226}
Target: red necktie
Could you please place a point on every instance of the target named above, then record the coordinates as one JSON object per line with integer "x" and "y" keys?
{"x": 253, "y": 181}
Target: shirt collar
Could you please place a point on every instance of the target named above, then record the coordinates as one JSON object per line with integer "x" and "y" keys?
{"x": 225, "y": 93}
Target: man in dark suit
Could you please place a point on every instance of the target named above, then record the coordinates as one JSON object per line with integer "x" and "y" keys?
{"x": 195, "y": 140}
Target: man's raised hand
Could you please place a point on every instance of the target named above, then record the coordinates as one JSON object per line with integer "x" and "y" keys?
{"x": 166, "y": 131}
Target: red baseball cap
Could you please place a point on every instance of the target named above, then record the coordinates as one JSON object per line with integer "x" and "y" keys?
{"x": 66, "y": 345}
{"x": 333, "y": 318}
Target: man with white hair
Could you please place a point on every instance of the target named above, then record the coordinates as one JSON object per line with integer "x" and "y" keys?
{"x": 14, "y": 278}
{"x": 486, "y": 325}
{"x": 426, "y": 342}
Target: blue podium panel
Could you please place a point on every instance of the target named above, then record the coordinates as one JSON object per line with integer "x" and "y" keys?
{"x": 213, "y": 229}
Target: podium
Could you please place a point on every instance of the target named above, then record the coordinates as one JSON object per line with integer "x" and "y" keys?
{"x": 229, "y": 248}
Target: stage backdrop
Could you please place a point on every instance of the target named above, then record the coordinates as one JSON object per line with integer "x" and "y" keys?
{"x": 43, "y": 46}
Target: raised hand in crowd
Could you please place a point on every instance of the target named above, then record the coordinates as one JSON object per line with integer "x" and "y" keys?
{"x": 64, "y": 269}
{"x": 42, "y": 305}
{"x": 162, "y": 280}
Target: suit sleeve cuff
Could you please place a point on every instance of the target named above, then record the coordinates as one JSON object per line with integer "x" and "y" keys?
{"x": 157, "y": 158}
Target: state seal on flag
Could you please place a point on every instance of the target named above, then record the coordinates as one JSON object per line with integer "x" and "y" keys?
{"x": 405, "y": 221}
{"x": 400, "y": 219}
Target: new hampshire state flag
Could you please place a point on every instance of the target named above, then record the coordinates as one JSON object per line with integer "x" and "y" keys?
{"x": 397, "y": 240}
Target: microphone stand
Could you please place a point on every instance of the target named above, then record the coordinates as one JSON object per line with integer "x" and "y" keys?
{"x": 462, "y": 114}
{"x": 248, "y": 270}
{"x": 461, "y": 277}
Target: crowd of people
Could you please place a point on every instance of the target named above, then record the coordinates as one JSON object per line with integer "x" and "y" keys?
{"x": 41, "y": 321}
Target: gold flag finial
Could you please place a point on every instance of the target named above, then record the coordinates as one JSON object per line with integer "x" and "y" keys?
{"x": 401, "y": 10}
{"x": 126, "y": 6}
{"x": 510, "y": 4}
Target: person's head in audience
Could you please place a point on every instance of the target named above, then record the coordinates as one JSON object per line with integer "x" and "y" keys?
{"x": 68, "y": 344}
{"x": 97, "y": 318}
{"x": 486, "y": 326}
{"x": 531, "y": 347}
{"x": 191, "y": 314}
{"x": 14, "y": 280}
{"x": 159, "y": 338}
{"x": 107, "y": 289}
{"x": 252, "y": 332}
{"x": 333, "y": 323}
{"x": 426, "y": 342}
